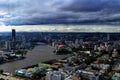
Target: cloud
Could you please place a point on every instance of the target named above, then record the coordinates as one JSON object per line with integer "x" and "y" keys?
{"x": 35, "y": 12}
{"x": 92, "y": 6}
{"x": 84, "y": 6}
{"x": 61, "y": 28}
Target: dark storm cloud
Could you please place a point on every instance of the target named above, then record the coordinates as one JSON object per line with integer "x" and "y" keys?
{"x": 23, "y": 12}
{"x": 92, "y": 6}
{"x": 84, "y": 6}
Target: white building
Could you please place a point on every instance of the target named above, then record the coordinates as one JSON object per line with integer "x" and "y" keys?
{"x": 8, "y": 45}
{"x": 55, "y": 75}
{"x": 77, "y": 43}
{"x": 1, "y": 53}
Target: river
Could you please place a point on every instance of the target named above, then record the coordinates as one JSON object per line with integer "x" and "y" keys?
{"x": 40, "y": 53}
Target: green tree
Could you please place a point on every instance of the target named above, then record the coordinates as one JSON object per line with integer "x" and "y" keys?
{"x": 21, "y": 52}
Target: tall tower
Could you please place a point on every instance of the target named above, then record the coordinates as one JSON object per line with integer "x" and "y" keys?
{"x": 13, "y": 45}
{"x": 13, "y": 35}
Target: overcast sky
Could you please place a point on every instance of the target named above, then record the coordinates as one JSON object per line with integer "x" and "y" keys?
{"x": 67, "y": 12}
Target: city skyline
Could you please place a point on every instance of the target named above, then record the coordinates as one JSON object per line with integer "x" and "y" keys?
{"x": 59, "y": 39}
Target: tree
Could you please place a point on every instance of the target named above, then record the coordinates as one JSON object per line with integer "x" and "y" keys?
{"x": 1, "y": 71}
{"x": 21, "y": 52}
{"x": 2, "y": 79}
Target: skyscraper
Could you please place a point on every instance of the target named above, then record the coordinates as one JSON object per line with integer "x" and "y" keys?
{"x": 13, "y": 44}
{"x": 13, "y": 35}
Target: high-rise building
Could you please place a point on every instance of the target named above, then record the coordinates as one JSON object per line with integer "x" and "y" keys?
{"x": 77, "y": 43}
{"x": 8, "y": 45}
{"x": 13, "y": 44}
{"x": 23, "y": 41}
{"x": 13, "y": 35}
{"x": 81, "y": 41}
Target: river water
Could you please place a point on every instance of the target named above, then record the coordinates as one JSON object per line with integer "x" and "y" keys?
{"x": 40, "y": 53}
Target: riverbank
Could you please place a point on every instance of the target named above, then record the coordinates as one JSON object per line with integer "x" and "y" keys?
{"x": 40, "y": 53}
